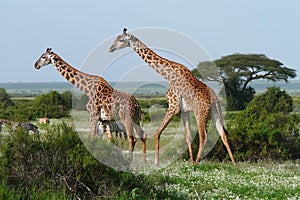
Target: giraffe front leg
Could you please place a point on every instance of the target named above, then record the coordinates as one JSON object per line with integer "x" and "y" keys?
{"x": 93, "y": 125}
{"x": 174, "y": 108}
{"x": 170, "y": 113}
{"x": 108, "y": 133}
{"x": 94, "y": 118}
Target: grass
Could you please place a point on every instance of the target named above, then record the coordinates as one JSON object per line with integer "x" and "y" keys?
{"x": 264, "y": 180}
{"x": 179, "y": 180}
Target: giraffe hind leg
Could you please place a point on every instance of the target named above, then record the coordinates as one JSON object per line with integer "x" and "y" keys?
{"x": 224, "y": 138}
{"x": 202, "y": 143}
{"x": 201, "y": 119}
{"x": 186, "y": 122}
{"x": 131, "y": 138}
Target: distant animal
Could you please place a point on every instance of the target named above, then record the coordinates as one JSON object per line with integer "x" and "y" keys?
{"x": 27, "y": 126}
{"x": 3, "y": 121}
{"x": 44, "y": 120}
{"x": 111, "y": 126}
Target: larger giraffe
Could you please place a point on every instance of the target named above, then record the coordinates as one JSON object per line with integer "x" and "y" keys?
{"x": 104, "y": 100}
{"x": 186, "y": 93}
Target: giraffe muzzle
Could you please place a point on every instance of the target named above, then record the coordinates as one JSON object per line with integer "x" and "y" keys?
{"x": 36, "y": 66}
{"x": 111, "y": 49}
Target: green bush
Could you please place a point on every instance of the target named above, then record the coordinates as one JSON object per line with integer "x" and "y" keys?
{"x": 266, "y": 129}
{"x": 57, "y": 165}
{"x": 5, "y": 102}
{"x": 57, "y": 161}
{"x": 21, "y": 111}
{"x": 52, "y": 105}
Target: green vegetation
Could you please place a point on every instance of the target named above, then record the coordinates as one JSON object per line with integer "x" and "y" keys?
{"x": 52, "y": 105}
{"x": 237, "y": 71}
{"x": 58, "y": 166}
{"x": 266, "y": 129}
{"x": 58, "y": 162}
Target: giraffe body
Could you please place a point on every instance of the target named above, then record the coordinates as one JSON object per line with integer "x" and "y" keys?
{"x": 186, "y": 93}
{"x": 105, "y": 103}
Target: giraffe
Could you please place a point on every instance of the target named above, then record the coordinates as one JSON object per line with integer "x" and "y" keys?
{"x": 110, "y": 103}
{"x": 186, "y": 93}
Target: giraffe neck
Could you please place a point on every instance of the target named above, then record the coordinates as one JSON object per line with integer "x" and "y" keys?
{"x": 168, "y": 69}
{"x": 80, "y": 80}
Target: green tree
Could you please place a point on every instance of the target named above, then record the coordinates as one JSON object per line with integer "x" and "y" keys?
{"x": 5, "y": 98}
{"x": 272, "y": 101}
{"x": 238, "y": 70}
{"x": 52, "y": 104}
{"x": 266, "y": 129}
{"x": 67, "y": 99}
{"x": 21, "y": 111}
{"x": 5, "y": 102}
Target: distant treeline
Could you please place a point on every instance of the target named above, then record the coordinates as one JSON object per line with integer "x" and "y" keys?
{"x": 138, "y": 88}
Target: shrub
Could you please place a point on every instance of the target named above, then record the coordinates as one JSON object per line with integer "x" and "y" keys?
{"x": 266, "y": 129}
{"x": 58, "y": 166}
{"x": 21, "y": 111}
{"x": 58, "y": 161}
{"x": 52, "y": 105}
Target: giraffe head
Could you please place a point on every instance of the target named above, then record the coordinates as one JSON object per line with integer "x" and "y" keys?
{"x": 44, "y": 59}
{"x": 121, "y": 41}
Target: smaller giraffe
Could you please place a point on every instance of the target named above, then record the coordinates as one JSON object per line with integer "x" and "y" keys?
{"x": 105, "y": 102}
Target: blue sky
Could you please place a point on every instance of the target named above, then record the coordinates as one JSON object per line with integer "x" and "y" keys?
{"x": 75, "y": 28}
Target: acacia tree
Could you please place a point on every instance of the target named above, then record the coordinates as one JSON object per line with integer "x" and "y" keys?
{"x": 238, "y": 70}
